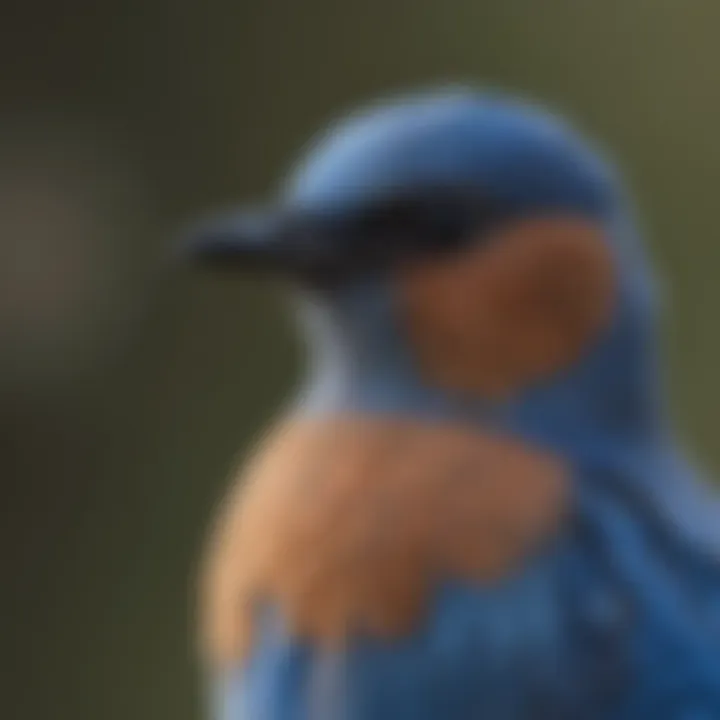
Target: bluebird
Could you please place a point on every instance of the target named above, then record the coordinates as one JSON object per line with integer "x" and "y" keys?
{"x": 476, "y": 505}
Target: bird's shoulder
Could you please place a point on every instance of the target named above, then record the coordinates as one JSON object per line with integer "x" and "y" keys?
{"x": 346, "y": 523}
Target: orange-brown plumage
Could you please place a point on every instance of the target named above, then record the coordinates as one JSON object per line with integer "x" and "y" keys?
{"x": 513, "y": 310}
{"x": 345, "y": 525}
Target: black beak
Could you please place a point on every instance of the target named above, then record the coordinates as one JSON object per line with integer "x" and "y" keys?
{"x": 321, "y": 247}
{"x": 251, "y": 240}
{"x": 269, "y": 242}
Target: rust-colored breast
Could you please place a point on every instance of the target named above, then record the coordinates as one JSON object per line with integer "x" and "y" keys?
{"x": 346, "y": 524}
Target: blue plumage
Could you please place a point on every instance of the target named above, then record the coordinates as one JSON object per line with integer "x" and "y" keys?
{"x": 619, "y": 616}
{"x": 607, "y": 625}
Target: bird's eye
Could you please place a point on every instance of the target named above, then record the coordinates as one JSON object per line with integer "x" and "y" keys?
{"x": 381, "y": 235}
{"x": 437, "y": 221}
{"x": 391, "y": 219}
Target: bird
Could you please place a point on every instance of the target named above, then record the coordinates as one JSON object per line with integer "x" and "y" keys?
{"x": 476, "y": 504}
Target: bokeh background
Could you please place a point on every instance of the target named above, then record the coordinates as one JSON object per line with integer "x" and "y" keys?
{"x": 128, "y": 384}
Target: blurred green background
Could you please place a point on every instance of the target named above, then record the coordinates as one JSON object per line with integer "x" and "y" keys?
{"x": 128, "y": 385}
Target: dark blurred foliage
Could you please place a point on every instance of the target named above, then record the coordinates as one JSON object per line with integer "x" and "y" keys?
{"x": 128, "y": 383}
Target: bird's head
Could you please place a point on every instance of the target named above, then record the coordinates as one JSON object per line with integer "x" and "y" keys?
{"x": 463, "y": 254}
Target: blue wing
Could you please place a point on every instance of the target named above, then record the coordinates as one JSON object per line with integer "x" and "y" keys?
{"x": 463, "y": 662}
{"x": 613, "y": 622}
{"x": 663, "y": 554}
